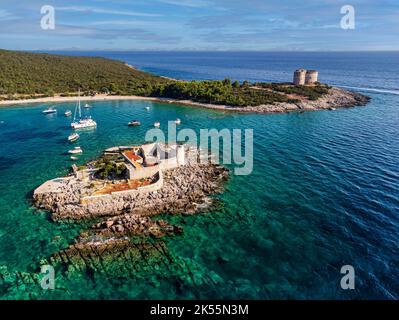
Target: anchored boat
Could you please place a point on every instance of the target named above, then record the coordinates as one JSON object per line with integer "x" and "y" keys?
{"x": 82, "y": 122}
{"x": 76, "y": 150}
{"x": 157, "y": 124}
{"x": 50, "y": 110}
{"x": 68, "y": 113}
{"x": 134, "y": 123}
{"x": 73, "y": 137}
{"x": 177, "y": 121}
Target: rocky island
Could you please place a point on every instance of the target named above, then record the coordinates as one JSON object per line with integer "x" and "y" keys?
{"x": 127, "y": 186}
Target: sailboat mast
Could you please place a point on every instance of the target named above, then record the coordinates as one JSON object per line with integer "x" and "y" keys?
{"x": 80, "y": 111}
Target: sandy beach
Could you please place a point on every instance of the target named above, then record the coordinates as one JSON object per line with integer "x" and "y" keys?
{"x": 99, "y": 97}
{"x": 336, "y": 98}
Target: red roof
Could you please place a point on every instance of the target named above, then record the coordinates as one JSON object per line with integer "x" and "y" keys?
{"x": 132, "y": 156}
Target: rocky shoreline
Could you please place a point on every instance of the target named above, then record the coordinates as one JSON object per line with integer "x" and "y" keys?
{"x": 335, "y": 98}
{"x": 186, "y": 190}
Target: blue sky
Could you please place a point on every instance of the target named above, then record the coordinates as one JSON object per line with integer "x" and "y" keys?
{"x": 284, "y": 25}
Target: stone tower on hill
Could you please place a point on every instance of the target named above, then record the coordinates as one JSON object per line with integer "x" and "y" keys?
{"x": 305, "y": 77}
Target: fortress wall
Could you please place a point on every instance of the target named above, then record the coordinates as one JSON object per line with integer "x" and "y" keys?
{"x": 144, "y": 172}
{"x": 150, "y": 188}
{"x": 154, "y": 186}
{"x": 168, "y": 164}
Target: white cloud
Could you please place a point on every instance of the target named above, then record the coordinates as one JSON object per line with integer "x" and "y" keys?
{"x": 106, "y": 11}
{"x": 5, "y": 15}
{"x": 187, "y": 3}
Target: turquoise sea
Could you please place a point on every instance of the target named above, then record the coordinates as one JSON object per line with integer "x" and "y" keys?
{"x": 324, "y": 191}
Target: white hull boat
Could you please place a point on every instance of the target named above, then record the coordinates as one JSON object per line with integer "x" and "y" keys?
{"x": 73, "y": 137}
{"x": 134, "y": 123}
{"x": 76, "y": 150}
{"x": 82, "y": 123}
{"x": 68, "y": 113}
{"x": 177, "y": 121}
{"x": 157, "y": 124}
{"x": 49, "y": 110}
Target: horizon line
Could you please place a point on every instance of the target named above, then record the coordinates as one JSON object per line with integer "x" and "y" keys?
{"x": 202, "y": 50}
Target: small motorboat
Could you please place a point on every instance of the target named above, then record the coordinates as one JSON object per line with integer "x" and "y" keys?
{"x": 76, "y": 150}
{"x": 134, "y": 123}
{"x": 87, "y": 106}
{"x": 157, "y": 124}
{"x": 147, "y": 108}
{"x": 177, "y": 121}
{"x": 74, "y": 158}
{"x": 68, "y": 113}
{"x": 73, "y": 137}
{"x": 49, "y": 110}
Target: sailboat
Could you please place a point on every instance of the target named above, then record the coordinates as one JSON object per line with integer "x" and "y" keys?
{"x": 82, "y": 122}
{"x": 49, "y": 110}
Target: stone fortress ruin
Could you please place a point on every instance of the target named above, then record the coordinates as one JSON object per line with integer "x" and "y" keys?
{"x": 304, "y": 77}
{"x": 156, "y": 178}
{"x": 144, "y": 164}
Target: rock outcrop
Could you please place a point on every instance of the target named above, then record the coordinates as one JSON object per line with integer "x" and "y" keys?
{"x": 335, "y": 98}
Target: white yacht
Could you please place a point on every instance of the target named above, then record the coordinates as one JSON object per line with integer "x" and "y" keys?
{"x": 177, "y": 121}
{"x": 82, "y": 122}
{"x": 87, "y": 106}
{"x": 68, "y": 113}
{"x": 76, "y": 150}
{"x": 73, "y": 137}
{"x": 147, "y": 108}
{"x": 157, "y": 124}
{"x": 50, "y": 110}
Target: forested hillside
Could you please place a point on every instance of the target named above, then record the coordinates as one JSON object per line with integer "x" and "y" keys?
{"x": 33, "y": 75}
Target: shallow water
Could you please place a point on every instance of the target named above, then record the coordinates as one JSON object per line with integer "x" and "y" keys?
{"x": 324, "y": 193}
